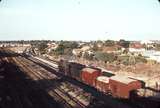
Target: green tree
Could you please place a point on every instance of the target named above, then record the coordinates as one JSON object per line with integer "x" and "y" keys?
{"x": 42, "y": 47}
{"x": 65, "y": 48}
{"x": 124, "y": 43}
{"x": 109, "y": 43}
{"x": 60, "y": 49}
{"x": 105, "y": 56}
{"x": 71, "y": 45}
{"x": 140, "y": 59}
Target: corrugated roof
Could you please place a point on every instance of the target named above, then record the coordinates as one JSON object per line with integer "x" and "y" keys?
{"x": 122, "y": 79}
{"x": 103, "y": 79}
{"x": 90, "y": 70}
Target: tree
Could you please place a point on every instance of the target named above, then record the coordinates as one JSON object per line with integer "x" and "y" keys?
{"x": 105, "y": 56}
{"x": 109, "y": 43}
{"x": 125, "y": 51}
{"x": 88, "y": 56}
{"x": 68, "y": 44}
{"x": 60, "y": 49}
{"x": 95, "y": 47}
{"x": 68, "y": 52}
{"x": 132, "y": 60}
{"x": 124, "y": 43}
{"x": 42, "y": 46}
{"x": 140, "y": 59}
{"x": 65, "y": 48}
{"x": 157, "y": 46}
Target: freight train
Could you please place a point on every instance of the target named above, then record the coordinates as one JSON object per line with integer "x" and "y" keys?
{"x": 104, "y": 81}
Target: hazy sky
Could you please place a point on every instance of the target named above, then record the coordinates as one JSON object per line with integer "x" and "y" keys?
{"x": 79, "y": 19}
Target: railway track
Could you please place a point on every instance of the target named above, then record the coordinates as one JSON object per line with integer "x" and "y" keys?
{"x": 54, "y": 92}
{"x": 19, "y": 92}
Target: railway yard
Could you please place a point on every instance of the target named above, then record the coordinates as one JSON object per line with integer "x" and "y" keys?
{"x": 26, "y": 82}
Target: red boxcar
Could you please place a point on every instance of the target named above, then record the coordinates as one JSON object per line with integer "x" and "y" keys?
{"x": 121, "y": 86}
{"x": 89, "y": 76}
{"x": 102, "y": 83}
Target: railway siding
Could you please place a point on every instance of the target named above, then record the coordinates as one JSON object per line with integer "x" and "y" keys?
{"x": 39, "y": 73}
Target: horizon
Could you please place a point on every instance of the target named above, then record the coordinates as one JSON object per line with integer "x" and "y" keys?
{"x": 83, "y": 20}
{"x": 75, "y": 40}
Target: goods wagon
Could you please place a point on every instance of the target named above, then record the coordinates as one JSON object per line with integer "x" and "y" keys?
{"x": 103, "y": 80}
{"x": 107, "y": 73}
{"x": 102, "y": 84}
{"x": 96, "y": 68}
{"x": 75, "y": 70}
{"x": 121, "y": 86}
{"x": 89, "y": 76}
{"x": 64, "y": 67}
{"x": 60, "y": 66}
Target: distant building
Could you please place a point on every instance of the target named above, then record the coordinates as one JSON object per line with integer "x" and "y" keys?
{"x": 112, "y": 49}
{"x": 146, "y": 42}
{"x": 76, "y": 52}
{"x": 51, "y": 46}
{"x": 85, "y": 48}
{"x": 152, "y": 55}
{"x": 136, "y": 47}
{"x": 149, "y": 44}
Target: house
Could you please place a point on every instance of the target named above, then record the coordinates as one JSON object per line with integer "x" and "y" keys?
{"x": 112, "y": 49}
{"x": 136, "y": 47}
{"x": 76, "y": 52}
{"x": 152, "y": 55}
{"x": 51, "y": 46}
{"x": 148, "y": 43}
{"x": 82, "y": 50}
{"x": 85, "y": 48}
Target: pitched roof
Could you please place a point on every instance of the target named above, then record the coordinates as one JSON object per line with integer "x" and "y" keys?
{"x": 103, "y": 79}
{"x": 122, "y": 79}
{"x": 90, "y": 70}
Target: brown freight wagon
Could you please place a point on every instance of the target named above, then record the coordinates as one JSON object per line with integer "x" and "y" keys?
{"x": 102, "y": 83}
{"x": 60, "y": 66}
{"x": 64, "y": 67}
{"x": 107, "y": 73}
{"x": 89, "y": 76}
{"x": 121, "y": 86}
{"x": 75, "y": 70}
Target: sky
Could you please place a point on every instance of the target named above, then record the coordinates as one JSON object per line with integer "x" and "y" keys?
{"x": 79, "y": 19}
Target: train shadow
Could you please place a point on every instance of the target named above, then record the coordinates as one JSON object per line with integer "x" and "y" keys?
{"x": 17, "y": 90}
{"x": 141, "y": 101}
{"x": 153, "y": 89}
